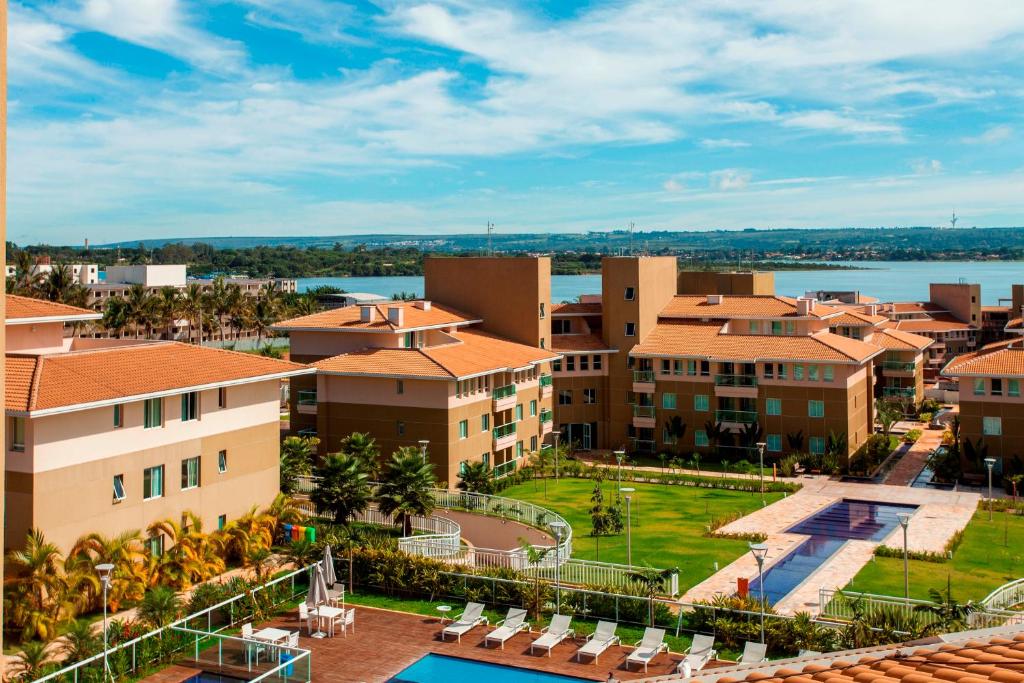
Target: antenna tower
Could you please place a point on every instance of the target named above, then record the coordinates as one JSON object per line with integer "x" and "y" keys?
{"x": 490, "y": 233}
{"x": 953, "y": 220}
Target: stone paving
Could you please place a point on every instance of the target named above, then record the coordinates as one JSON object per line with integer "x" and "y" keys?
{"x": 913, "y": 461}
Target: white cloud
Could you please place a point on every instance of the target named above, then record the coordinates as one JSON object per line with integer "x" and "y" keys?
{"x": 317, "y": 21}
{"x": 729, "y": 179}
{"x": 831, "y": 121}
{"x": 673, "y": 185}
{"x": 723, "y": 143}
{"x": 991, "y": 136}
{"x": 926, "y": 166}
{"x": 39, "y": 54}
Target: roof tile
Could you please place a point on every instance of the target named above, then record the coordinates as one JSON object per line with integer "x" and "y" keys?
{"x": 27, "y": 307}
{"x": 762, "y": 306}
{"x": 348, "y": 318}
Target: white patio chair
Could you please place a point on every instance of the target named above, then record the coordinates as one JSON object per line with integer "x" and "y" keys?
{"x": 471, "y": 617}
{"x": 600, "y": 640}
{"x": 700, "y": 652}
{"x": 513, "y": 623}
{"x": 753, "y": 653}
{"x": 648, "y": 647}
{"x": 554, "y": 633}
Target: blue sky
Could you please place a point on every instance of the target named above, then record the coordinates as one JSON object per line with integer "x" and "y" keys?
{"x": 156, "y": 118}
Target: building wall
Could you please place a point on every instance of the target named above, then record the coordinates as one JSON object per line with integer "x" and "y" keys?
{"x": 1011, "y": 410}
{"x": 39, "y": 338}
{"x": 962, "y": 300}
{"x": 506, "y": 293}
{"x": 148, "y": 275}
{"x": 707, "y": 282}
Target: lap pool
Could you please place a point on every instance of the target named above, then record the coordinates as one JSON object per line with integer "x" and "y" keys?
{"x": 829, "y": 530}
{"x": 436, "y": 668}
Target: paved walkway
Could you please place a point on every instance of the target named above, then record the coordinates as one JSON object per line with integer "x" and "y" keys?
{"x": 485, "y": 531}
{"x": 911, "y": 464}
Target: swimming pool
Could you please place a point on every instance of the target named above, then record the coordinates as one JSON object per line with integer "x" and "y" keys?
{"x": 207, "y": 677}
{"x": 435, "y": 668}
{"x": 828, "y": 530}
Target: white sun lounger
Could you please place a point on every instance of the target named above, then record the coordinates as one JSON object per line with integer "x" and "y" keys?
{"x": 753, "y": 653}
{"x": 700, "y": 652}
{"x": 462, "y": 624}
{"x": 554, "y": 633}
{"x": 600, "y": 640}
{"x": 648, "y": 647}
{"x": 513, "y": 623}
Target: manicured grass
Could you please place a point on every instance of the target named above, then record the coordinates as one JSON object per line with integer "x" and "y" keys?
{"x": 991, "y": 554}
{"x": 669, "y": 523}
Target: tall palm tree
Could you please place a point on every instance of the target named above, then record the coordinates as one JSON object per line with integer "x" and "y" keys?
{"x": 115, "y": 316}
{"x": 652, "y": 581}
{"x": 264, "y": 314}
{"x": 476, "y": 477}
{"x": 534, "y": 556}
{"x": 297, "y": 453}
{"x": 364, "y": 447}
{"x": 27, "y": 279}
{"x": 676, "y": 428}
{"x": 218, "y": 300}
{"x": 193, "y": 301}
{"x": 126, "y": 552}
{"x": 140, "y": 308}
{"x": 193, "y": 555}
{"x": 305, "y": 304}
{"x": 406, "y": 488}
{"x": 236, "y": 308}
{"x": 344, "y": 489}
{"x": 59, "y": 285}
{"x": 167, "y": 306}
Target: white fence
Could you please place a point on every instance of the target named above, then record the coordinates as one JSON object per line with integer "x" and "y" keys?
{"x": 842, "y": 605}
{"x": 1006, "y": 596}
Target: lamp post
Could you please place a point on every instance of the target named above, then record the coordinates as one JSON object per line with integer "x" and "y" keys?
{"x": 619, "y": 456}
{"x": 104, "y": 570}
{"x": 558, "y": 527}
{"x": 761, "y": 445}
{"x": 556, "y": 435}
{"x": 423, "y": 449}
{"x": 629, "y": 526}
{"x": 760, "y": 551}
{"x": 990, "y": 463}
{"x": 904, "y": 518}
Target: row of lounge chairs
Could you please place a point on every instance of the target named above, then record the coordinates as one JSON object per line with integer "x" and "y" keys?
{"x": 697, "y": 656}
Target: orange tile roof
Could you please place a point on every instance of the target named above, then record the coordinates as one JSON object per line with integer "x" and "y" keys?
{"x": 472, "y": 353}
{"x": 27, "y": 308}
{"x": 348, "y": 318}
{"x": 705, "y": 340}
{"x": 81, "y": 378}
{"x": 944, "y": 323}
{"x": 568, "y": 343}
{"x": 914, "y": 307}
{"x": 735, "y": 306}
{"x": 576, "y": 309}
{"x": 896, "y": 340}
{"x": 1001, "y": 359}
{"x": 1015, "y": 324}
{"x": 856, "y": 319}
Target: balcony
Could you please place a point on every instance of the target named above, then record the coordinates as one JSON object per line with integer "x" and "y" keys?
{"x": 643, "y": 381}
{"x": 735, "y": 418}
{"x": 895, "y": 366}
{"x": 643, "y": 417}
{"x": 546, "y": 415}
{"x": 642, "y": 445}
{"x": 900, "y": 393}
{"x": 546, "y": 421}
{"x": 305, "y": 401}
{"x": 736, "y": 386}
{"x": 504, "y": 397}
{"x": 504, "y": 436}
{"x": 503, "y": 469}
{"x": 545, "y": 385}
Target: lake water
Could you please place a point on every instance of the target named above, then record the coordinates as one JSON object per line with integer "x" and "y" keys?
{"x": 889, "y": 281}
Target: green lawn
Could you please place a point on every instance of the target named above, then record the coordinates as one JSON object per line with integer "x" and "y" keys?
{"x": 991, "y": 554}
{"x": 668, "y": 523}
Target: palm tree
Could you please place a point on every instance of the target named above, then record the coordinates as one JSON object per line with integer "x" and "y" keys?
{"x": 27, "y": 279}
{"x": 264, "y": 314}
{"x": 476, "y": 477}
{"x": 32, "y": 662}
{"x": 193, "y": 555}
{"x": 193, "y": 300}
{"x": 364, "y": 447}
{"x": 534, "y": 556}
{"x": 36, "y": 588}
{"x": 652, "y": 581}
{"x": 887, "y": 413}
{"x": 676, "y": 428}
{"x": 284, "y": 510}
{"x": 305, "y": 305}
{"x": 115, "y": 316}
{"x": 218, "y": 298}
{"x": 406, "y": 489}
{"x": 248, "y": 533}
{"x": 80, "y": 641}
{"x": 717, "y": 433}
{"x": 139, "y": 308}
{"x": 160, "y": 607}
{"x": 59, "y": 285}
{"x": 344, "y": 490}
{"x": 297, "y": 454}
{"x": 950, "y": 615}
{"x": 167, "y": 306}
{"x": 126, "y": 552}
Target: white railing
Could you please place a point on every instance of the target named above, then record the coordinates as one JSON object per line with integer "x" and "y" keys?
{"x": 1007, "y": 596}
{"x": 839, "y": 605}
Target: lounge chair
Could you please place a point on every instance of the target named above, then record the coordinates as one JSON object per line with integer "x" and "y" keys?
{"x": 554, "y": 633}
{"x": 647, "y": 648}
{"x": 600, "y": 640}
{"x": 462, "y": 624}
{"x": 753, "y": 653}
{"x": 808, "y": 653}
{"x": 700, "y": 652}
{"x": 304, "y": 618}
{"x": 513, "y": 623}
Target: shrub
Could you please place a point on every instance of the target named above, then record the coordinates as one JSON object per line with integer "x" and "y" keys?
{"x": 912, "y": 436}
{"x": 788, "y": 465}
{"x": 869, "y": 456}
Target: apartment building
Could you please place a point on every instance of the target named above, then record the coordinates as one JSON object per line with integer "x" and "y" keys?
{"x": 111, "y": 435}
{"x": 991, "y": 406}
{"x": 466, "y": 370}
{"x": 82, "y": 273}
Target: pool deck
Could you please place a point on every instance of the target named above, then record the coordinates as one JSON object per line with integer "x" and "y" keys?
{"x": 386, "y": 642}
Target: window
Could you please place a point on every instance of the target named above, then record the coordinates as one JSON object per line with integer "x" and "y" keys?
{"x": 222, "y": 521}
{"x": 677, "y": 367}
{"x": 485, "y": 422}
{"x": 222, "y": 461}
{"x": 992, "y": 426}
{"x": 153, "y": 482}
{"x": 668, "y": 401}
{"x": 190, "y": 473}
{"x": 400, "y": 428}
{"x": 776, "y": 327}
{"x": 979, "y": 387}
{"x": 533, "y": 408}
{"x": 816, "y": 409}
{"x": 118, "y": 416}
{"x": 667, "y": 437}
{"x": 584, "y": 362}
{"x": 630, "y": 329}
{"x": 700, "y": 438}
{"x": 222, "y": 397}
{"x": 408, "y": 339}
{"x": 812, "y": 373}
{"x": 519, "y": 449}
{"x": 155, "y": 545}
{"x": 790, "y": 327}
{"x": 533, "y": 444}
{"x": 769, "y": 370}
{"x": 556, "y": 365}
{"x": 118, "y": 488}
{"x": 755, "y": 327}
{"x": 190, "y": 406}
{"x": 570, "y": 363}
{"x": 16, "y": 426}
{"x": 590, "y": 395}
{"x": 629, "y": 294}
{"x": 463, "y": 429}
{"x": 798, "y": 372}
{"x": 486, "y": 459}
{"x": 700, "y": 402}
{"x": 399, "y": 386}
{"x": 830, "y": 373}
{"x": 666, "y": 366}
{"x": 691, "y": 368}
{"x": 560, "y": 326}
{"x": 774, "y": 442}
{"x": 997, "y": 386}
{"x": 519, "y": 411}
{"x": 705, "y": 368}
{"x": 816, "y": 444}
{"x": 565, "y": 397}
{"x": 1013, "y": 387}
{"x": 773, "y": 406}
{"x": 782, "y": 370}
{"x": 152, "y": 413}
{"x": 597, "y": 362}
{"x": 542, "y": 310}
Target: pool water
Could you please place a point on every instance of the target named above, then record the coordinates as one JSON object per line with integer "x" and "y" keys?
{"x": 436, "y": 668}
{"x": 206, "y": 677}
{"x": 828, "y": 531}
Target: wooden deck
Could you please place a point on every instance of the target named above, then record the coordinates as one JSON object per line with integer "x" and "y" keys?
{"x": 385, "y": 642}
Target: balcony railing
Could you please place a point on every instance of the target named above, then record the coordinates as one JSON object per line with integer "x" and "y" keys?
{"x": 504, "y": 430}
{"x": 899, "y": 392}
{"x": 545, "y": 416}
{"x": 504, "y": 392}
{"x": 545, "y": 380}
{"x": 306, "y": 397}
{"x": 504, "y": 468}
{"x": 898, "y": 365}
{"x": 642, "y": 445}
{"x": 744, "y": 416}
{"x": 736, "y": 380}
{"x": 643, "y": 375}
{"x": 643, "y": 411}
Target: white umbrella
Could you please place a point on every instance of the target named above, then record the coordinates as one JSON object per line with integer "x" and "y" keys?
{"x": 330, "y": 578}
{"x": 317, "y": 594}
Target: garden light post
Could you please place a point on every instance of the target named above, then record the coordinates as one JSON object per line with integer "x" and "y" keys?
{"x": 761, "y": 445}
{"x": 556, "y": 435}
{"x": 619, "y": 455}
{"x": 559, "y": 528}
{"x": 760, "y": 551}
{"x": 905, "y": 522}
{"x": 629, "y": 525}
{"x": 423, "y": 449}
{"x": 104, "y": 570}
{"x": 990, "y": 463}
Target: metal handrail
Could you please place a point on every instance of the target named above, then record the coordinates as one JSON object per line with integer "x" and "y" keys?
{"x": 504, "y": 392}
{"x": 735, "y": 380}
{"x": 643, "y": 375}
{"x": 303, "y": 397}
{"x": 504, "y": 430}
{"x": 643, "y": 411}
{"x": 546, "y": 415}
{"x": 898, "y": 365}
{"x": 546, "y": 380}
{"x": 745, "y": 416}
{"x": 1006, "y": 596}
